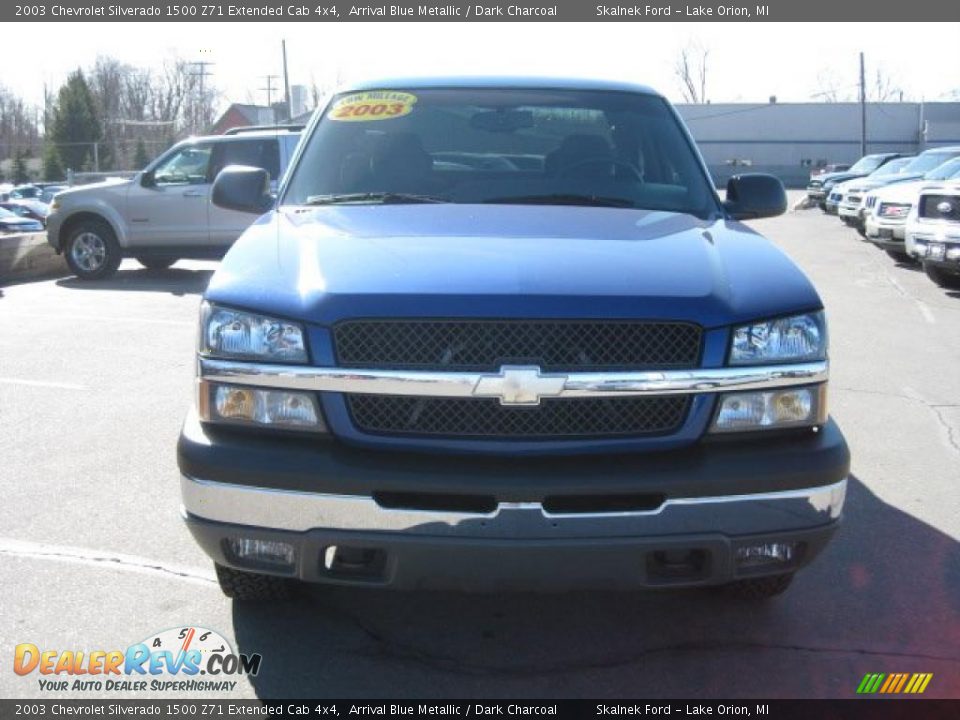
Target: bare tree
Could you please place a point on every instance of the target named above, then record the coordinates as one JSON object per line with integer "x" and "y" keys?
{"x": 832, "y": 87}
{"x": 884, "y": 88}
{"x": 691, "y": 69}
{"x": 19, "y": 126}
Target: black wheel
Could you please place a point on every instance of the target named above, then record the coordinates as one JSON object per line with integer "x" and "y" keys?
{"x": 941, "y": 277}
{"x": 156, "y": 263}
{"x": 92, "y": 251}
{"x": 861, "y": 230}
{"x": 899, "y": 256}
{"x": 241, "y": 585}
{"x": 759, "y": 588}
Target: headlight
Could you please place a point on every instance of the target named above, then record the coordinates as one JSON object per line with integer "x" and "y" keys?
{"x": 54, "y": 205}
{"x": 239, "y": 335}
{"x": 798, "y": 338}
{"x": 258, "y": 407}
{"x": 771, "y": 410}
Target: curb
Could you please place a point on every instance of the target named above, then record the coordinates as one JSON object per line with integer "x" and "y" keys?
{"x": 28, "y": 257}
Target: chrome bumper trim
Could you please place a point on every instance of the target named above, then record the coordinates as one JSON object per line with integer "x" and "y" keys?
{"x": 464, "y": 384}
{"x": 302, "y": 511}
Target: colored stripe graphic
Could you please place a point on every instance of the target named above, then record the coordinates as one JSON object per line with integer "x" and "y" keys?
{"x": 912, "y": 683}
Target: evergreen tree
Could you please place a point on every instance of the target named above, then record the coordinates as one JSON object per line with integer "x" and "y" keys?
{"x": 141, "y": 158}
{"x": 20, "y": 168}
{"x": 52, "y": 168}
{"x": 75, "y": 123}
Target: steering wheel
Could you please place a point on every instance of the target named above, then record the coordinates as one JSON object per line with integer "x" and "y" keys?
{"x": 610, "y": 162}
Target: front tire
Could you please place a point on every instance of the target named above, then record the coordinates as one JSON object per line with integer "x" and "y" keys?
{"x": 156, "y": 263}
{"x": 92, "y": 251}
{"x": 252, "y": 587}
{"x": 941, "y": 277}
{"x": 759, "y": 588}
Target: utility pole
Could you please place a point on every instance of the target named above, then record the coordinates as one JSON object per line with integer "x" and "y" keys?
{"x": 286, "y": 81}
{"x": 199, "y": 115}
{"x": 269, "y": 91}
{"x": 863, "y": 108}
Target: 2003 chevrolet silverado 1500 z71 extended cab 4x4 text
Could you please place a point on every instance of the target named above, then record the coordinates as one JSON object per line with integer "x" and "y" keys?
{"x": 504, "y": 333}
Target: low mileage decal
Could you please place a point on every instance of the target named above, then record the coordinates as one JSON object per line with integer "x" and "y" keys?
{"x": 372, "y": 105}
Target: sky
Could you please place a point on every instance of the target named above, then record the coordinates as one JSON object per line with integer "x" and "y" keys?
{"x": 748, "y": 62}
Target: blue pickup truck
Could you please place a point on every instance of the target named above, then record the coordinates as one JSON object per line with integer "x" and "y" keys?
{"x": 503, "y": 333}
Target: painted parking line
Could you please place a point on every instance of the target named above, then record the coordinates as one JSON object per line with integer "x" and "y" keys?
{"x": 103, "y": 559}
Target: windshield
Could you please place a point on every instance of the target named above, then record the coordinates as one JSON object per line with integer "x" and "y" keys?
{"x": 929, "y": 161}
{"x": 947, "y": 171}
{"x": 505, "y": 146}
{"x": 894, "y": 167}
{"x": 867, "y": 164}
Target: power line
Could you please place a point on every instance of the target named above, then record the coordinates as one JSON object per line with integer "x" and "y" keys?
{"x": 201, "y": 73}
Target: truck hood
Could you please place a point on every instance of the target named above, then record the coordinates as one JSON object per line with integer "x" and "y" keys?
{"x": 93, "y": 188}
{"x": 839, "y": 177}
{"x": 906, "y": 192}
{"x": 325, "y": 264}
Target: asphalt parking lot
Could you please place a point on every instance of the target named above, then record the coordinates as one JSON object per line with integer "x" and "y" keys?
{"x": 95, "y": 379}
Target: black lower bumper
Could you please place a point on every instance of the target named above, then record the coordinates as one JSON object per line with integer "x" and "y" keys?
{"x": 761, "y": 464}
{"x": 407, "y": 562}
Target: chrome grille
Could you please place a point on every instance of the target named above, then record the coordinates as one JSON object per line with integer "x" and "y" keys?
{"x": 486, "y": 345}
{"x": 486, "y": 418}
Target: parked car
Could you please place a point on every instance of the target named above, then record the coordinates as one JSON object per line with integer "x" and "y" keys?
{"x": 541, "y": 290}
{"x": 852, "y": 192}
{"x": 11, "y": 222}
{"x": 829, "y": 168}
{"x": 25, "y": 192}
{"x": 887, "y": 208}
{"x": 819, "y": 188}
{"x": 33, "y": 209}
{"x": 164, "y": 212}
{"x": 48, "y": 192}
{"x": 933, "y": 233}
{"x": 853, "y": 208}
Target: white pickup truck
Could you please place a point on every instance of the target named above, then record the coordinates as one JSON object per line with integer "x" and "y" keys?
{"x": 164, "y": 212}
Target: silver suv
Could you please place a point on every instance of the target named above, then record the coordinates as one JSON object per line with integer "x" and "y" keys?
{"x": 164, "y": 213}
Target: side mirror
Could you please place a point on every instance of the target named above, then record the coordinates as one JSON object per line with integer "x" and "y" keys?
{"x": 147, "y": 179}
{"x": 243, "y": 188}
{"x": 755, "y": 195}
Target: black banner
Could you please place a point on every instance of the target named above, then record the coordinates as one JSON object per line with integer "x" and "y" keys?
{"x": 856, "y": 709}
{"x": 459, "y": 11}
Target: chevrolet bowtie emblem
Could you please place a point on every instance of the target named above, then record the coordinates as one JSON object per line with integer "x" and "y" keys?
{"x": 519, "y": 385}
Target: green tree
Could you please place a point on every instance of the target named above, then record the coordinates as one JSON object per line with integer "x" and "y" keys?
{"x": 52, "y": 168}
{"x": 75, "y": 123}
{"x": 141, "y": 158}
{"x": 20, "y": 168}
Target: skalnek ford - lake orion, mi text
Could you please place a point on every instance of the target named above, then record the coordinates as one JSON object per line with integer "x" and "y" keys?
{"x": 704, "y": 11}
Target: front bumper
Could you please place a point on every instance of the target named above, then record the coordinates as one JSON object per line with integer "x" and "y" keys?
{"x": 704, "y": 501}
{"x": 886, "y": 231}
{"x": 54, "y": 222}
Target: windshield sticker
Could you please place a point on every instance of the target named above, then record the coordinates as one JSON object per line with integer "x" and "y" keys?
{"x": 374, "y": 105}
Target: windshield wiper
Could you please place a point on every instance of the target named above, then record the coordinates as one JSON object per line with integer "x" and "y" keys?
{"x": 562, "y": 199}
{"x": 382, "y": 198}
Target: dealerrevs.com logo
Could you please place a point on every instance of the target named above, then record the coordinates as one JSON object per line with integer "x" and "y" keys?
{"x": 187, "y": 659}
